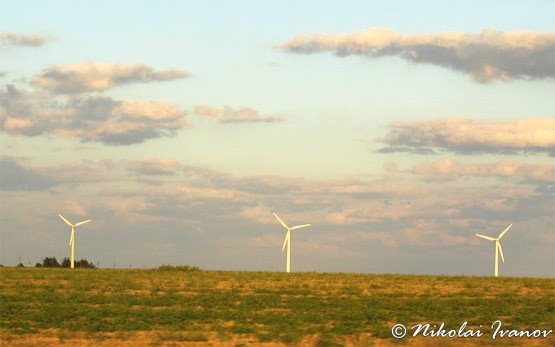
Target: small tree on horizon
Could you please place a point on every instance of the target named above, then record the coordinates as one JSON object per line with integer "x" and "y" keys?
{"x": 50, "y": 262}
{"x": 83, "y": 263}
{"x": 66, "y": 263}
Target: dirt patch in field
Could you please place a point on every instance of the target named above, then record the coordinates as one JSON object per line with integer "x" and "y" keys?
{"x": 54, "y": 337}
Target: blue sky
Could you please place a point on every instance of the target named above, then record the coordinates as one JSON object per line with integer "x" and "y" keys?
{"x": 329, "y": 131}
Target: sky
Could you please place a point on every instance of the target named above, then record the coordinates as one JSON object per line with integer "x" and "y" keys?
{"x": 398, "y": 129}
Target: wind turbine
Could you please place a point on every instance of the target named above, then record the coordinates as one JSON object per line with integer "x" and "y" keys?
{"x": 498, "y": 248}
{"x": 72, "y": 237}
{"x": 288, "y": 239}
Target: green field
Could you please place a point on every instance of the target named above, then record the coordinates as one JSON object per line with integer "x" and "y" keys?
{"x": 173, "y": 307}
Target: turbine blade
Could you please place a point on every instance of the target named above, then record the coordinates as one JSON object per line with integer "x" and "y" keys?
{"x": 71, "y": 238}
{"x": 486, "y": 237}
{"x": 282, "y": 222}
{"x": 504, "y": 231}
{"x": 301, "y": 226}
{"x": 500, "y": 251}
{"x": 285, "y": 241}
{"x": 83, "y": 222}
{"x": 65, "y": 220}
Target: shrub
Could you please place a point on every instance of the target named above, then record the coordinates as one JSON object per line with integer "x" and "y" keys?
{"x": 167, "y": 267}
{"x": 66, "y": 263}
{"x": 50, "y": 262}
{"x": 83, "y": 263}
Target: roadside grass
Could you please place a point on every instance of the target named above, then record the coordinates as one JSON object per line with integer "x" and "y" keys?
{"x": 184, "y": 304}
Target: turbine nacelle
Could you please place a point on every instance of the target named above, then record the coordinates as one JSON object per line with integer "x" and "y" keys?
{"x": 73, "y": 225}
{"x": 289, "y": 229}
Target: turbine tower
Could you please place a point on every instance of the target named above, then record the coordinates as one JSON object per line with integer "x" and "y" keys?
{"x": 498, "y": 248}
{"x": 287, "y": 240}
{"x": 72, "y": 236}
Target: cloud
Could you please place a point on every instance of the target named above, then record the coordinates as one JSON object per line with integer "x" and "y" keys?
{"x": 374, "y": 211}
{"x": 387, "y": 239}
{"x": 17, "y": 175}
{"x": 451, "y": 169}
{"x": 73, "y": 208}
{"x": 473, "y": 136}
{"x": 364, "y": 216}
{"x": 429, "y": 232}
{"x": 228, "y": 115}
{"x": 93, "y": 118}
{"x": 262, "y": 215}
{"x": 403, "y": 149}
{"x": 265, "y": 241}
{"x": 489, "y": 55}
{"x": 9, "y": 39}
{"x": 155, "y": 167}
{"x": 92, "y": 76}
{"x": 14, "y": 176}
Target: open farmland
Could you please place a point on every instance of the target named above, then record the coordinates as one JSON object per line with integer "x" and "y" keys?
{"x": 169, "y": 307}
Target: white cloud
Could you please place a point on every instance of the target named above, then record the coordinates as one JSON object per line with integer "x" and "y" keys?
{"x": 489, "y": 55}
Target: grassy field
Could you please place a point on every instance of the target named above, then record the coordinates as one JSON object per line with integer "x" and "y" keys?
{"x": 173, "y": 307}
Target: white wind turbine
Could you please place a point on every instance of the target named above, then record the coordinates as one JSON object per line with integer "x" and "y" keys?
{"x": 288, "y": 239}
{"x": 498, "y": 248}
{"x": 72, "y": 237}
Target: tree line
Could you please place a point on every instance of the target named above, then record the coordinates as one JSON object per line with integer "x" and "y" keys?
{"x": 53, "y": 262}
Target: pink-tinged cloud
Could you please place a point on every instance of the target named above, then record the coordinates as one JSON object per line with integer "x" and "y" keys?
{"x": 373, "y": 211}
{"x": 90, "y": 119}
{"x": 430, "y": 232}
{"x": 471, "y": 136}
{"x": 73, "y": 208}
{"x": 259, "y": 214}
{"x": 16, "y": 174}
{"x": 486, "y": 56}
{"x": 500, "y": 204}
{"x": 10, "y": 39}
{"x": 92, "y": 76}
{"x": 265, "y": 241}
{"x": 346, "y": 224}
{"x": 375, "y": 187}
{"x": 95, "y": 118}
{"x": 450, "y": 169}
{"x": 126, "y": 205}
{"x": 228, "y": 115}
{"x": 187, "y": 192}
{"x": 387, "y": 239}
{"x": 155, "y": 167}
